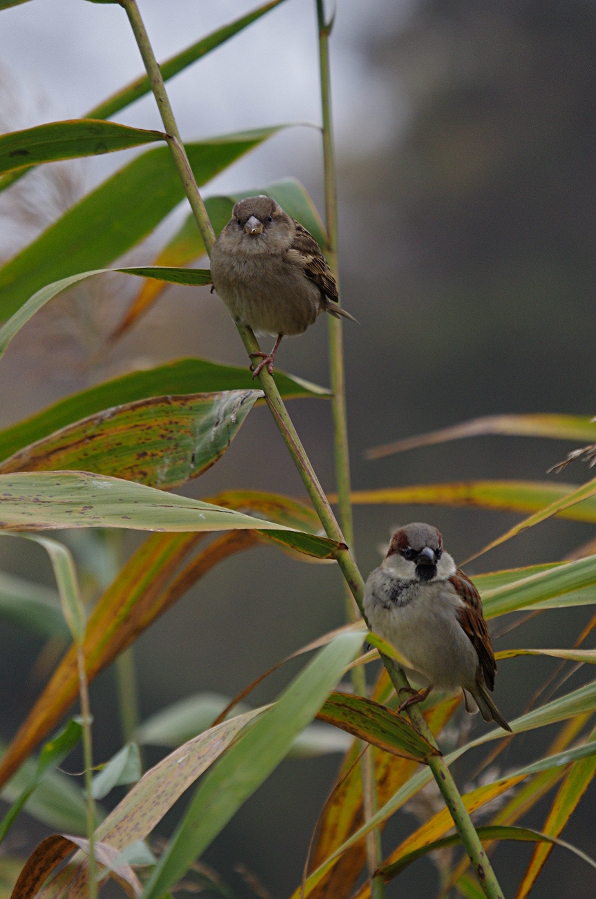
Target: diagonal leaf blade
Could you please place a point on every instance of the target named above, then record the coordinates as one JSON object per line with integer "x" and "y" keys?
{"x": 505, "y": 496}
{"x": 180, "y": 377}
{"x": 251, "y": 760}
{"x": 115, "y": 216}
{"x": 160, "y": 442}
{"x": 68, "y": 140}
{"x": 557, "y": 427}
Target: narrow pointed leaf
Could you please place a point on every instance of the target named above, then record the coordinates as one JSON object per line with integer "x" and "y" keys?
{"x": 122, "y": 768}
{"x": 250, "y": 761}
{"x": 539, "y": 587}
{"x": 142, "y": 592}
{"x": 572, "y": 655}
{"x": 33, "y": 501}
{"x": 576, "y": 782}
{"x": 160, "y": 442}
{"x": 575, "y": 703}
{"x": 488, "y": 832}
{"x": 343, "y": 814}
{"x": 576, "y": 496}
{"x": 505, "y": 496}
{"x": 154, "y": 795}
{"x": 68, "y": 140}
{"x": 180, "y": 377}
{"x": 66, "y": 581}
{"x": 195, "y": 714}
{"x": 187, "y": 244}
{"x": 115, "y": 621}
{"x": 376, "y": 724}
{"x": 558, "y": 427}
{"x": 115, "y": 216}
{"x": 52, "y": 755}
{"x": 51, "y": 851}
{"x": 25, "y": 312}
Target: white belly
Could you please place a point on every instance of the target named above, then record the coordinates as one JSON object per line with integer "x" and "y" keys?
{"x": 422, "y": 625}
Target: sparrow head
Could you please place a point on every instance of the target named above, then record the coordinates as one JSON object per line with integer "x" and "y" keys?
{"x": 260, "y": 223}
{"x": 416, "y": 553}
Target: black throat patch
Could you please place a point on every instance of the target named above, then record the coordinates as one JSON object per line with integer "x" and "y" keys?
{"x": 426, "y": 572}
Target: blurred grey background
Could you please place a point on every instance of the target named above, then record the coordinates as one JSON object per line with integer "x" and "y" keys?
{"x": 465, "y": 140}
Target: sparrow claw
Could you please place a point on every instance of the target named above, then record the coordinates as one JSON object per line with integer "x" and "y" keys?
{"x": 267, "y": 361}
{"x": 416, "y": 697}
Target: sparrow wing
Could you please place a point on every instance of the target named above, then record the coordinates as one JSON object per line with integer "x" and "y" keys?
{"x": 315, "y": 264}
{"x": 472, "y": 621}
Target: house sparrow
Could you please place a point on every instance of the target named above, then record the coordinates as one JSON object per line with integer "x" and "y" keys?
{"x": 271, "y": 274}
{"x": 431, "y": 612}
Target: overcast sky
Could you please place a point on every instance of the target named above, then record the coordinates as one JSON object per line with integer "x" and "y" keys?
{"x": 73, "y": 54}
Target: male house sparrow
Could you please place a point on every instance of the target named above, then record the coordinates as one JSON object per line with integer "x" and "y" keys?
{"x": 271, "y": 274}
{"x": 431, "y": 612}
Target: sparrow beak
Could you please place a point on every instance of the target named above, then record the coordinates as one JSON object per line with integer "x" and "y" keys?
{"x": 253, "y": 225}
{"x": 426, "y": 557}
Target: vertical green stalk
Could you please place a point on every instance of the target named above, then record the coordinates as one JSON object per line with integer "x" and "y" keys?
{"x": 126, "y": 685}
{"x": 346, "y": 562}
{"x": 88, "y": 760}
{"x": 374, "y": 851}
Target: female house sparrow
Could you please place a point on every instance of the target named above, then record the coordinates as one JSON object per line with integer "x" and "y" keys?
{"x": 271, "y": 274}
{"x": 431, "y": 612}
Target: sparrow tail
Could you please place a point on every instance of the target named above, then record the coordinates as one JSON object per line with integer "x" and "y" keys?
{"x": 337, "y": 312}
{"x": 488, "y": 709}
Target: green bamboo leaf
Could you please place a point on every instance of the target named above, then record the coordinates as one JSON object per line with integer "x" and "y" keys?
{"x": 185, "y": 719}
{"x": 188, "y": 245}
{"x": 43, "y": 296}
{"x": 570, "y": 792}
{"x": 115, "y": 216}
{"x": 250, "y": 761}
{"x": 52, "y": 755}
{"x": 161, "y": 442}
{"x": 274, "y": 506}
{"x": 179, "y": 377}
{"x": 154, "y": 795}
{"x": 575, "y": 703}
{"x": 68, "y": 140}
{"x": 33, "y": 501}
{"x": 31, "y": 606}
{"x": 557, "y": 427}
{"x": 571, "y": 655}
{"x": 140, "y": 86}
{"x": 177, "y": 63}
{"x": 537, "y": 588}
{"x": 66, "y": 581}
{"x": 122, "y": 768}
{"x": 506, "y": 496}
{"x": 376, "y": 724}
{"x": 576, "y": 496}
{"x": 488, "y": 832}
{"x": 57, "y": 801}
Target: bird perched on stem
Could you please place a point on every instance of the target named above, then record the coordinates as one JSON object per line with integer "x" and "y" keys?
{"x": 271, "y": 274}
{"x": 418, "y": 601}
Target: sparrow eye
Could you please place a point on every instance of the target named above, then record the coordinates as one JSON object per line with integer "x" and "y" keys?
{"x": 408, "y": 553}
{"x": 438, "y": 553}
{"x": 270, "y": 219}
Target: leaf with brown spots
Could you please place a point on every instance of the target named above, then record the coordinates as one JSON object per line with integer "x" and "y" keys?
{"x": 161, "y": 442}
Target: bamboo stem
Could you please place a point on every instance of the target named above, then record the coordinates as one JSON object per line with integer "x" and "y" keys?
{"x": 374, "y": 849}
{"x": 88, "y": 761}
{"x": 346, "y": 562}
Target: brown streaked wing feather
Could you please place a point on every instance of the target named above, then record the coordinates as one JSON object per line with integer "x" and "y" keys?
{"x": 315, "y": 264}
{"x": 474, "y": 625}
